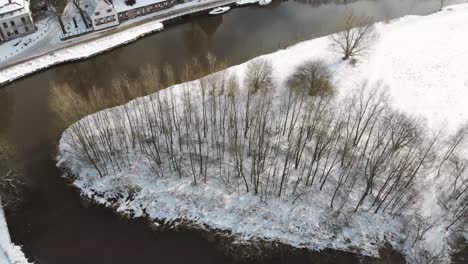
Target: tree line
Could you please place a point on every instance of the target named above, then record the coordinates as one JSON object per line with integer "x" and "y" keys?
{"x": 283, "y": 142}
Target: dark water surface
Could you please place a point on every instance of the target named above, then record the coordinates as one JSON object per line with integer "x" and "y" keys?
{"x": 54, "y": 225}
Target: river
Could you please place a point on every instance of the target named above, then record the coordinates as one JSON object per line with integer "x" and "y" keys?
{"x": 54, "y": 225}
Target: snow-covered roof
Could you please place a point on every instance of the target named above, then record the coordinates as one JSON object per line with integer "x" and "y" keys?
{"x": 89, "y": 6}
{"x": 7, "y": 6}
{"x": 120, "y": 5}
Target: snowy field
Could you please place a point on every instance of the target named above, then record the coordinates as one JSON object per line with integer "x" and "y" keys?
{"x": 424, "y": 62}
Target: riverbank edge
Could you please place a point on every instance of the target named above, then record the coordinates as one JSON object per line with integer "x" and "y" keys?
{"x": 200, "y": 226}
{"x": 254, "y": 250}
{"x": 146, "y": 21}
{"x": 73, "y": 59}
{"x": 41, "y": 65}
{"x": 9, "y": 252}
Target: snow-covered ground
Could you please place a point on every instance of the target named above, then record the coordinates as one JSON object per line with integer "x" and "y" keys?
{"x": 9, "y": 253}
{"x": 73, "y": 23}
{"x": 424, "y": 62}
{"x": 19, "y": 45}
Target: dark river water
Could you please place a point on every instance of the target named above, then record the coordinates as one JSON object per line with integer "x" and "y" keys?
{"x": 54, "y": 225}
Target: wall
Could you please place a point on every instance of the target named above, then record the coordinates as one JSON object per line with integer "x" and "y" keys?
{"x": 19, "y": 26}
{"x": 140, "y": 11}
{"x": 104, "y": 16}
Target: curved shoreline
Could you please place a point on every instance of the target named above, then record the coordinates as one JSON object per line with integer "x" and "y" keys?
{"x": 254, "y": 250}
{"x": 135, "y": 191}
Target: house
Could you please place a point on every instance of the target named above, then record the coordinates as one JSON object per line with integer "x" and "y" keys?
{"x": 109, "y": 13}
{"x": 15, "y": 19}
{"x": 140, "y": 7}
{"x": 102, "y": 14}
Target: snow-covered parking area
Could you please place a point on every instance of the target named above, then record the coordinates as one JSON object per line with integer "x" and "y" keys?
{"x": 423, "y": 60}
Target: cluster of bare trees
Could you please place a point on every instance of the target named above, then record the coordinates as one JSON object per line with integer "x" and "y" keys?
{"x": 293, "y": 140}
{"x": 256, "y": 138}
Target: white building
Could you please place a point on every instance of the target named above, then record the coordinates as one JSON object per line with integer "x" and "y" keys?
{"x": 109, "y": 13}
{"x": 140, "y": 7}
{"x": 102, "y": 14}
{"x": 15, "y": 19}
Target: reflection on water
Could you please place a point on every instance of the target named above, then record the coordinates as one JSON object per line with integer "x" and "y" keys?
{"x": 237, "y": 36}
{"x": 6, "y": 105}
{"x": 199, "y": 36}
{"x": 54, "y": 226}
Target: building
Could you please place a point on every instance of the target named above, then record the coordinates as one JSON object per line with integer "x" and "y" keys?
{"x": 15, "y": 19}
{"x": 103, "y": 14}
{"x": 140, "y": 7}
{"x": 109, "y": 13}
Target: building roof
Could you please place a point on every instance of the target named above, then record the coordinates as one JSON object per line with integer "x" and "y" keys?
{"x": 90, "y": 6}
{"x": 10, "y": 6}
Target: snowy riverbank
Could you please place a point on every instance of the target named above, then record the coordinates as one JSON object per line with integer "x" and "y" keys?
{"x": 9, "y": 253}
{"x": 49, "y": 50}
{"x": 79, "y": 51}
{"x": 423, "y": 61}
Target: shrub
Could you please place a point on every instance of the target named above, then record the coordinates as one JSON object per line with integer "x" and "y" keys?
{"x": 259, "y": 76}
{"x": 11, "y": 184}
{"x": 314, "y": 77}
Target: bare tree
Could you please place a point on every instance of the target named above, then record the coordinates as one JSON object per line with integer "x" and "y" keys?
{"x": 258, "y": 78}
{"x": 453, "y": 144}
{"x": 79, "y": 8}
{"x": 11, "y": 184}
{"x": 356, "y": 35}
{"x": 312, "y": 76}
{"x": 56, "y": 8}
{"x": 454, "y": 168}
